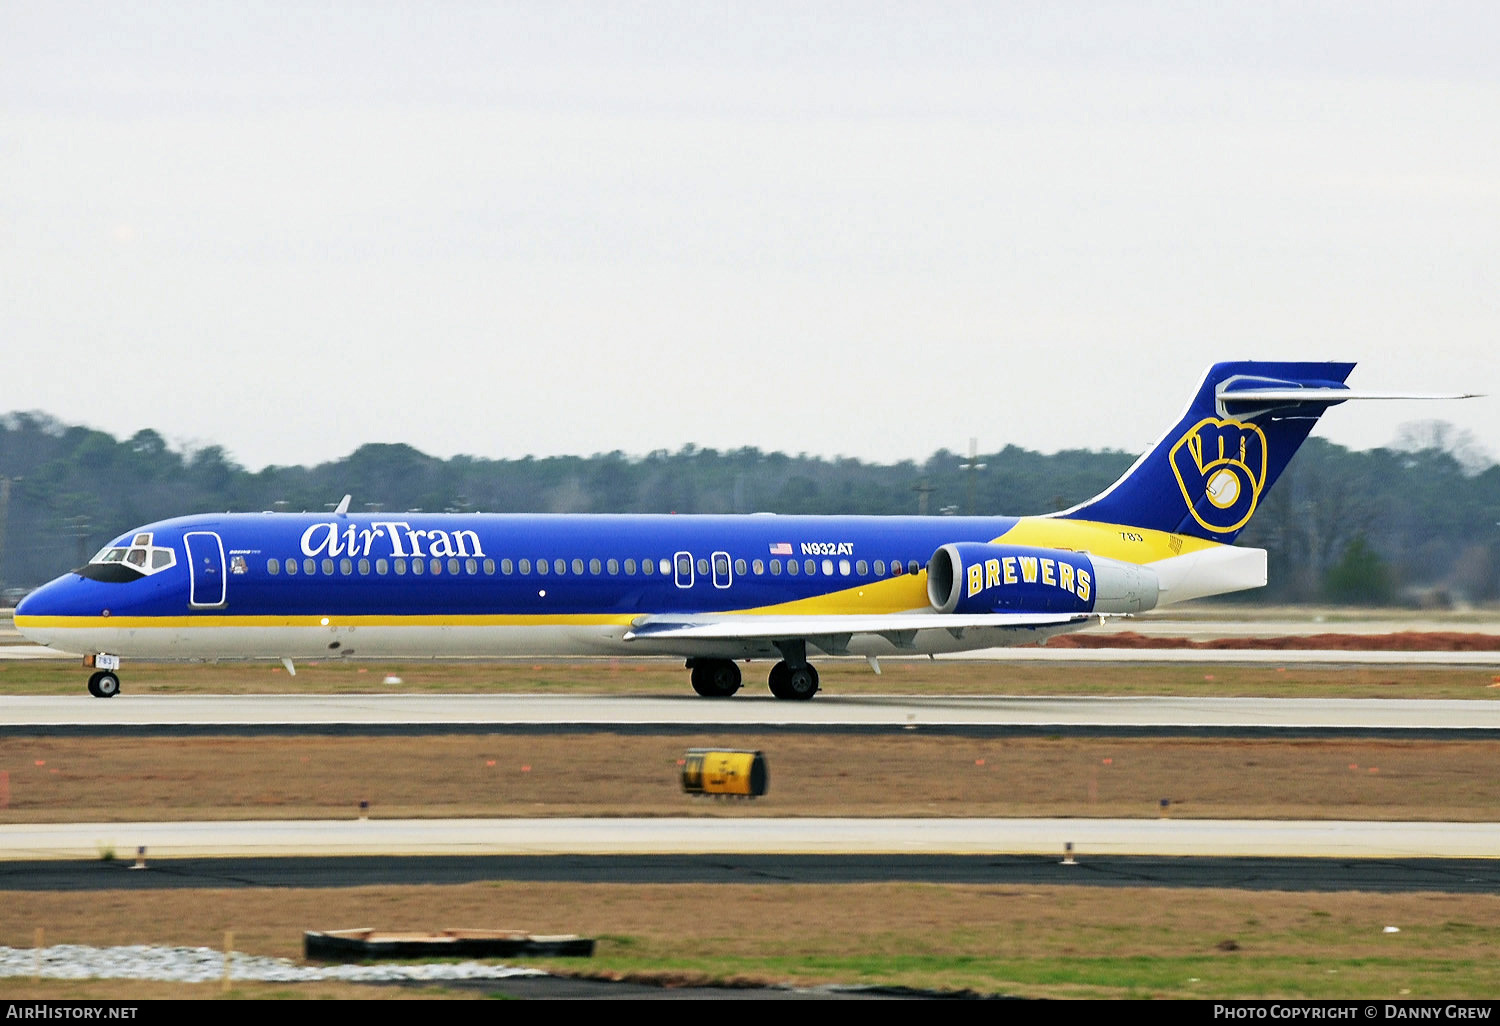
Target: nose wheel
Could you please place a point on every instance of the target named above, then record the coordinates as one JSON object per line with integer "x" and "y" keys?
{"x": 104, "y": 684}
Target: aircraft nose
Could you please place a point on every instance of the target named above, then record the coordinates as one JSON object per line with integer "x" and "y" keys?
{"x": 55, "y": 598}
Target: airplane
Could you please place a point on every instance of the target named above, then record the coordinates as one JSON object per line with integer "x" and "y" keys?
{"x": 710, "y": 589}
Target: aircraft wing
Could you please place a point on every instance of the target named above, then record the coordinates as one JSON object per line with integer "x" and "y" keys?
{"x": 832, "y": 633}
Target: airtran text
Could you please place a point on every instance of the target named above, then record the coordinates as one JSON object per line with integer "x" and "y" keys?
{"x": 388, "y": 538}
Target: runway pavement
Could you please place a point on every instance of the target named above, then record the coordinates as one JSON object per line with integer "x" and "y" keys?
{"x": 1455, "y": 876}
{"x": 163, "y": 715}
{"x": 752, "y": 836}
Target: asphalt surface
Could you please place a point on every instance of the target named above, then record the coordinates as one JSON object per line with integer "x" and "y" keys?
{"x": 1279, "y": 874}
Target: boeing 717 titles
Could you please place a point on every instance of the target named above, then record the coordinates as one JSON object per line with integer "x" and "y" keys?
{"x": 714, "y": 590}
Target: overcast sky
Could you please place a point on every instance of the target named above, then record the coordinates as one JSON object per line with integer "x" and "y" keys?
{"x": 864, "y": 229}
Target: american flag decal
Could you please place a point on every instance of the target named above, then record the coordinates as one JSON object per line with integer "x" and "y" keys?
{"x": 781, "y": 549}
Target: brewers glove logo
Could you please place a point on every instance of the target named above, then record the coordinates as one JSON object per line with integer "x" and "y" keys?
{"x": 1223, "y": 461}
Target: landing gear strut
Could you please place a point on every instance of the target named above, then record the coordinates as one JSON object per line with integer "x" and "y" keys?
{"x": 715, "y": 678}
{"x": 104, "y": 684}
{"x": 794, "y": 678}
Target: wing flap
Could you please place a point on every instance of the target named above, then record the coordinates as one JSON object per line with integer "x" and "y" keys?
{"x": 898, "y": 628}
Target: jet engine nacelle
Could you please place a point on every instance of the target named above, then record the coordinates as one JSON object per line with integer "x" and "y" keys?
{"x": 975, "y": 577}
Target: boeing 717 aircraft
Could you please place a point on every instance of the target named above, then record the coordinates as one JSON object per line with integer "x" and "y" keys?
{"x": 714, "y": 590}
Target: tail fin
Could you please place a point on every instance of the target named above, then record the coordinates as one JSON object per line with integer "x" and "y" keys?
{"x": 1208, "y": 473}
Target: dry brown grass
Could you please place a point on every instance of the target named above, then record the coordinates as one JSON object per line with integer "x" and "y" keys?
{"x": 603, "y": 774}
{"x": 1041, "y": 941}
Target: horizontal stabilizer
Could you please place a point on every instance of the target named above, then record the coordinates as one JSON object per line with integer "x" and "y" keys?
{"x": 1232, "y": 400}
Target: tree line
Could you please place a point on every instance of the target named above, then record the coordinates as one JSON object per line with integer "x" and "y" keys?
{"x": 1379, "y": 525}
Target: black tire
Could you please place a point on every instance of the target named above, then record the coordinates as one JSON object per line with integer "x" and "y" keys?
{"x": 793, "y": 685}
{"x": 104, "y": 684}
{"x": 716, "y": 678}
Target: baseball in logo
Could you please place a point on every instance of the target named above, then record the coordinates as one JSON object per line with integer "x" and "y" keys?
{"x": 1224, "y": 462}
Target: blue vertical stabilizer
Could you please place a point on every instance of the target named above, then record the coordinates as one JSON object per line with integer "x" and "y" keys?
{"x": 1209, "y": 472}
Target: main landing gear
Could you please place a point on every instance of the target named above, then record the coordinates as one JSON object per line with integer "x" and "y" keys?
{"x": 795, "y": 683}
{"x": 715, "y": 678}
{"x": 793, "y": 679}
{"x": 104, "y": 684}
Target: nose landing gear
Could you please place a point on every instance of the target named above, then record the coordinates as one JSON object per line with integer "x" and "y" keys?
{"x": 104, "y": 684}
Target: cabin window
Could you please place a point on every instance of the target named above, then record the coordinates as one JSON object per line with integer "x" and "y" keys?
{"x": 811, "y": 566}
{"x": 843, "y": 568}
{"x": 775, "y": 568}
{"x": 400, "y": 568}
{"x": 896, "y": 569}
{"x": 666, "y": 565}
{"x": 327, "y": 567}
{"x": 437, "y": 567}
{"x": 827, "y": 568}
{"x": 702, "y": 568}
{"x": 739, "y": 567}
{"x": 418, "y": 567}
{"x": 507, "y": 567}
{"x": 685, "y": 566}
{"x": 364, "y": 568}
{"x": 346, "y": 566}
{"x": 595, "y": 566}
{"x": 913, "y": 567}
{"x": 630, "y": 568}
{"x": 861, "y": 568}
{"x": 792, "y": 568}
{"x": 577, "y": 566}
{"x": 273, "y": 567}
{"x": 382, "y": 565}
{"x": 560, "y": 566}
{"x": 759, "y": 567}
{"x": 453, "y": 566}
{"x": 471, "y": 566}
{"x": 291, "y": 567}
{"x": 542, "y": 567}
{"x": 309, "y": 565}
{"x": 880, "y": 568}
{"x": 614, "y": 566}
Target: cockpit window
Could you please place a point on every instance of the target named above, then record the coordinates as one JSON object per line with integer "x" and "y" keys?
{"x": 120, "y": 562}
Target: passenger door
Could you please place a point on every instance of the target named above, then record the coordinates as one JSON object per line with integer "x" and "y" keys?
{"x": 205, "y": 554}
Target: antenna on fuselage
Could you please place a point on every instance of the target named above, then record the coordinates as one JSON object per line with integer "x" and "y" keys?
{"x": 343, "y": 507}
